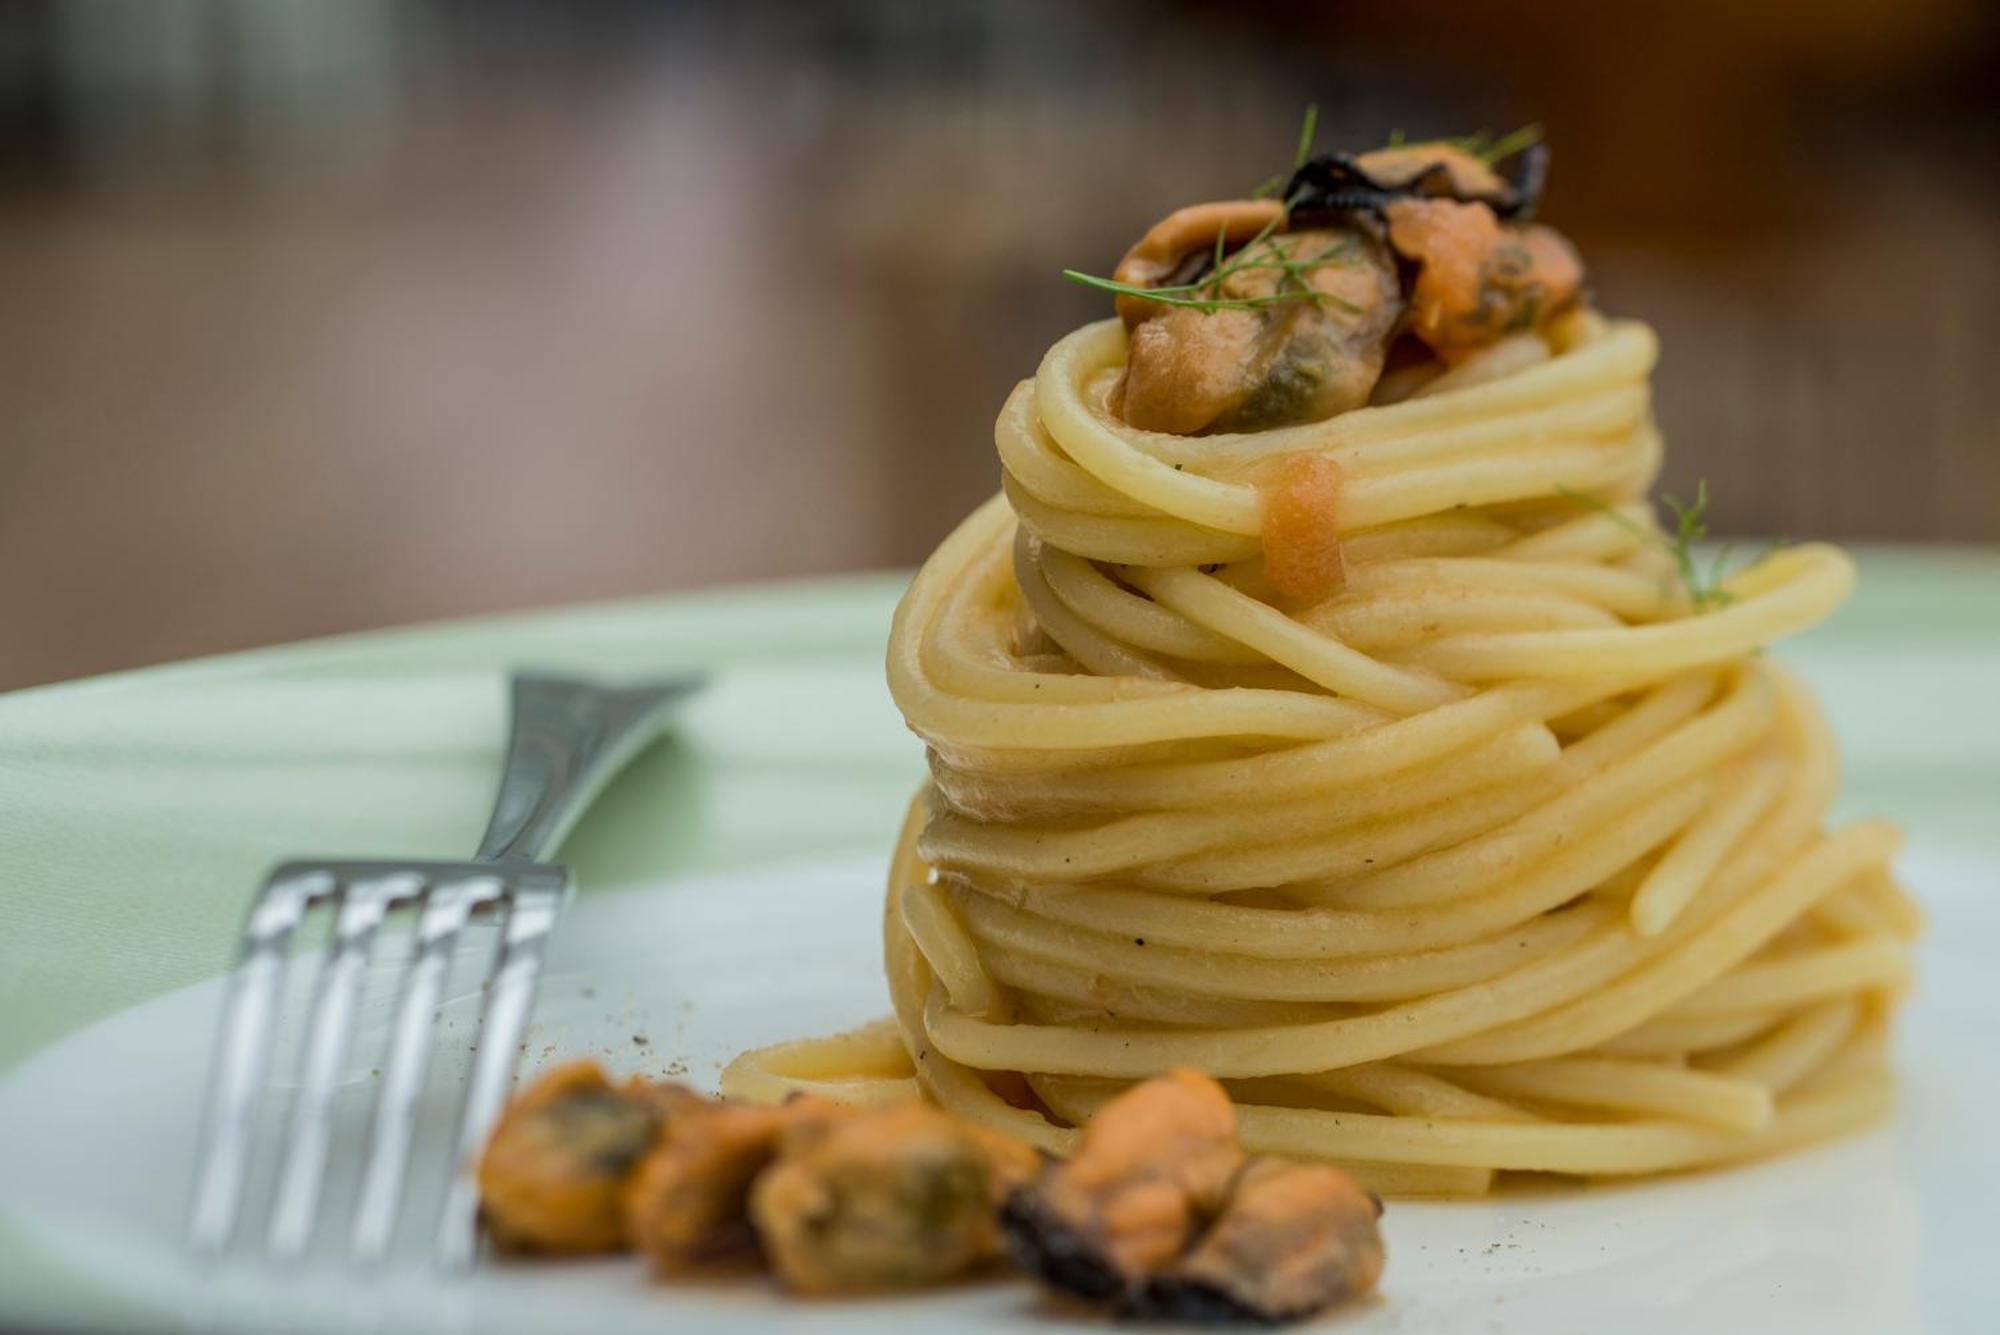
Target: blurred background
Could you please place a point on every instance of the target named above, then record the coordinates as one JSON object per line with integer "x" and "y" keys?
{"x": 320, "y": 315}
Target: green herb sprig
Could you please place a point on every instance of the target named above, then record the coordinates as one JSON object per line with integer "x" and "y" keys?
{"x": 1270, "y": 186}
{"x": 1492, "y": 151}
{"x": 1484, "y": 145}
{"x": 1256, "y": 255}
{"x": 1260, "y": 252}
{"x": 1707, "y": 589}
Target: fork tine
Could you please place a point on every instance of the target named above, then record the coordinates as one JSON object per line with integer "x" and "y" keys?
{"x": 536, "y": 897}
{"x": 566, "y": 739}
{"x": 243, "y": 1051}
{"x": 446, "y": 909}
{"x": 329, "y": 1033}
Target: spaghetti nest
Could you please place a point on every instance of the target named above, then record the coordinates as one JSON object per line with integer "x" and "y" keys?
{"x": 1507, "y": 855}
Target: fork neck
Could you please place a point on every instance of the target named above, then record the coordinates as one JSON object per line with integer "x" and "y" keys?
{"x": 566, "y": 739}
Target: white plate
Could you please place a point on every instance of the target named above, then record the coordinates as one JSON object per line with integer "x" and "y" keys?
{"x": 1892, "y": 1231}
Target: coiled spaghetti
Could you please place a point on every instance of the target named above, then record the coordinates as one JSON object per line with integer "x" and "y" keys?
{"x": 1506, "y": 856}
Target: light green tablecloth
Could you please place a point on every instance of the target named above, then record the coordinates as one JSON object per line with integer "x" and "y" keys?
{"x": 138, "y": 811}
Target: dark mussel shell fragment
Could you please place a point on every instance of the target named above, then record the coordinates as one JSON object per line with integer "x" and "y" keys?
{"x": 1293, "y": 1240}
{"x": 1334, "y": 184}
{"x": 1056, "y": 1250}
{"x": 1195, "y": 1303}
{"x": 1150, "y": 1168}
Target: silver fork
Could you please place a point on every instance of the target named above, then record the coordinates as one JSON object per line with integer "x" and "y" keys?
{"x": 567, "y": 738}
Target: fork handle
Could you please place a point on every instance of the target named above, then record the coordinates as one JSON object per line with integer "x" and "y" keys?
{"x": 566, "y": 740}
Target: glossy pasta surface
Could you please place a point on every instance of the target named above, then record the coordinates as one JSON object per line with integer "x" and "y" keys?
{"x": 1511, "y": 853}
